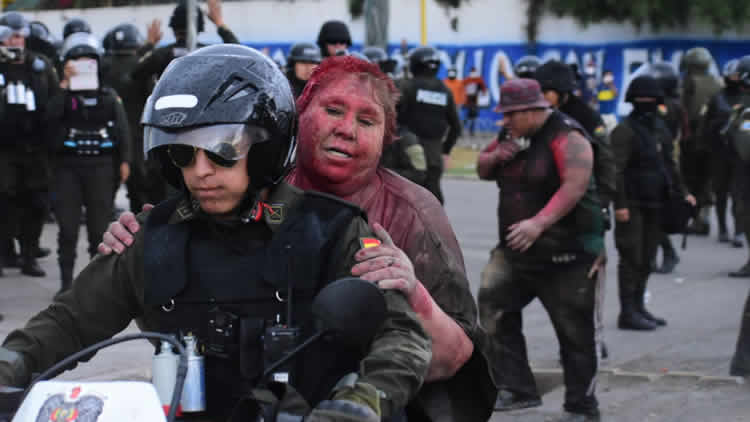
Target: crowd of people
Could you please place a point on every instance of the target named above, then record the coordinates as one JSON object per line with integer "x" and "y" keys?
{"x": 330, "y": 168}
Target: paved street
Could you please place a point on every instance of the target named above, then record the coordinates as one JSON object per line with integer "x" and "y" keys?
{"x": 678, "y": 373}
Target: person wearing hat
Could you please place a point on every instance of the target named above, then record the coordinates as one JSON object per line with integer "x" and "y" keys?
{"x": 646, "y": 174}
{"x": 302, "y": 60}
{"x": 333, "y": 38}
{"x": 551, "y": 236}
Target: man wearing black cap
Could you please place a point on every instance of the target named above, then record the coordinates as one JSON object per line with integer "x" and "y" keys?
{"x": 334, "y": 38}
{"x": 551, "y": 235}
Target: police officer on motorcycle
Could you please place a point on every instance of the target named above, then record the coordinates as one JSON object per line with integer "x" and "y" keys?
{"x": 302, "y": 60}
{"x": 92, "y": 149}
{"x": 427, "y": 109}
{"x": 28, "y": 82}
{"x": 225, "y": 257}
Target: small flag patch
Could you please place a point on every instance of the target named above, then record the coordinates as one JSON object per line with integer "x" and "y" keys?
{"x": 368, "y": 242}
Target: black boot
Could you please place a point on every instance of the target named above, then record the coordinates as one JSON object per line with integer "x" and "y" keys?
{"x": 723, "y": 236}
{"x": 669, "y": 261}
{"x": 30, "y": 266}
{"x": 630, "y": 319}
{"x": 640, "y": 306}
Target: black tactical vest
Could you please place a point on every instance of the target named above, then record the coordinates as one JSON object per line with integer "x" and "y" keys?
{"x": 646, "y": 178}
{"x": 89, "y": 121}
{"x": 192, "y": 277}
{"x": 527, "y": 184}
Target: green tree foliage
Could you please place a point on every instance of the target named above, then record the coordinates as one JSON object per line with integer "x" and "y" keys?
{"x": 659, "y": 14}
{"x": 356, "y": 7}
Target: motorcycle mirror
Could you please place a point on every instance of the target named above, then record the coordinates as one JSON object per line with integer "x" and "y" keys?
{"x": 351, "y": 307}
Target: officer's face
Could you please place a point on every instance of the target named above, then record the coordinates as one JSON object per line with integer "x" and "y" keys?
{"x": 341, "y": 136}
{"x": 218, "y": 189}
{"x": 303, "y": 70}
{"x": 16, "y": 40}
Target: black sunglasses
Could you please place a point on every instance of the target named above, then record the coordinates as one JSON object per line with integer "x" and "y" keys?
{"x": 184, "y": 156}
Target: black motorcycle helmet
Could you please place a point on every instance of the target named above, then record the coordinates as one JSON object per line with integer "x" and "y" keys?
{"x": 75, "y": 25}
{"x": 41, "y": 40}
{"x": 17, "y": 22}
{"x": 644, "y": 86}
{"x": 667, "y": 76}
{"x": 526, "y": 66}
{"x": 227, "y": 99}
{"x": 729, "y": 72}
{"x": 178, "y": 20}
{"x": 124, "y": 36}
{"x": 378, "y": 56}
{"x": 333, "y": 32}
{"x": 556, "y": 76}
{"x": 743, "y": 71}
{"x": 424, "y": 61}
{"x": 304, "y": 52}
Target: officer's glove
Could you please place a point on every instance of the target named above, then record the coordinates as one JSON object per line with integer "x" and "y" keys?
{"x": 341, "y": 411}
{"x": 352, "y": 401}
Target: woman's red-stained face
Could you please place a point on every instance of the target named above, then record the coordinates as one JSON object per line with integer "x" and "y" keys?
{"x": 341, "y": 136}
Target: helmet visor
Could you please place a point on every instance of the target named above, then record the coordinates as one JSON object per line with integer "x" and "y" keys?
{"x": 231, "y": 142}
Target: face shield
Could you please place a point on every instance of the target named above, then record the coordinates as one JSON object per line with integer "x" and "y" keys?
{"x": 229, "y": 142}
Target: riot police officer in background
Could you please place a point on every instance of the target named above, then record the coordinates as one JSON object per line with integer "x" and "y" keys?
{"x": 698, "y": 86}
{"x": 28, "y": 82}
{"x": 302, "y": 60}
{"x": 526, "y": 66}
{"x": 92, "y": 140}
{"x": 675, "y": 117}
{"x": 738, "y": 140}
{"x": 427, "y": 109}
{"x": 646, "y": 176}
{"x": 124, "y": 45}
{"x": 152, "y": 64}
{"x": 378, "y": 56}
{"x": 334, "y": 37}
{"x": 75, "y": 25}
{"x": 42, "y": 41}
{"x": 720, "y": 108}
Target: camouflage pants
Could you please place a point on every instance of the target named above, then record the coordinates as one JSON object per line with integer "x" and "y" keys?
{"x": 568, "y": 296}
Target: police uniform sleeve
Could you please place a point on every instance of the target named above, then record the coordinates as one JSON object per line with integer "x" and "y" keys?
{"x": 454, "y": 124}
{"x": 401, "y": 351}
{"x": 227, "y": 36}
{"x": 104, "y": 298}
{"x": 621, "y": 138}
{"x": 604, "y": 166}
{"x": 122, "y": 129}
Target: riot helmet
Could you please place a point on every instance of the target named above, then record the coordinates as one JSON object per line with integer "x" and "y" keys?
{"x": 122, "y": 37}
{"x": 667, "y": 76}
{"x": 556, "y": 76}
{"x": 526, "y": 66}
{"x": 304, "y": 52}
{"x": 378, "y": 56}
{"x": 81, "y": 44}
{"x": 178, "y": 20}
{"x": 333, "y": 32}
{"x": 729, "y": 72}
{"x": 41, "y": 40}
{"x": 356, "y": 54}
{"x": 697, "y": 59}
{"x": 231, "y": 101}
{"x": 424, "y": 61}
{"x": 75, "y": 25}
{"x": 16, "y": 22}
{"x": 743, "y": 71}
{"x": 644, "y": 86}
